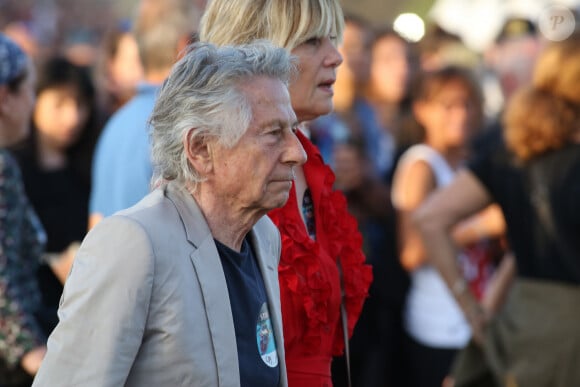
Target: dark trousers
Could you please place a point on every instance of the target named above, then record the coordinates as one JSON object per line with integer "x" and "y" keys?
{"x": 426, "y": 366}
{"x": 376, "y": 349}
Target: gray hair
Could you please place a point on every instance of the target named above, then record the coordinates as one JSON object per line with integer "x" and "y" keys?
{"x": 202, "y": 96}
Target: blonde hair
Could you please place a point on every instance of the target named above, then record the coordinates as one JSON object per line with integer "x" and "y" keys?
{"x": 545, "y": 115}
{"x": 287, "y": 23}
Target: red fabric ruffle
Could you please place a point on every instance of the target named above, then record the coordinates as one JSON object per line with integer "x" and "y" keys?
{"x": 308, "y": 273}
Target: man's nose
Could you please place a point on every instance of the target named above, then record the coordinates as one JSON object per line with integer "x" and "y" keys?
{"x": 295, "y": 153}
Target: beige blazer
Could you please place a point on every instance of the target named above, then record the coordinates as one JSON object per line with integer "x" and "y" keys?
{"x": 146, "y": 302}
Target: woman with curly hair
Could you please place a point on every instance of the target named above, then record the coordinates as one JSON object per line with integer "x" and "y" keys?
{"x": 534, "y": 340}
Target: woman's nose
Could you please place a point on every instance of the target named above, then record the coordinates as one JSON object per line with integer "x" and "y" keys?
{"x": 333, "y": 57}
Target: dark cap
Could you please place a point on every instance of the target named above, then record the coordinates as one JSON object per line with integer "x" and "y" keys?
{"x": 515, "y": 28}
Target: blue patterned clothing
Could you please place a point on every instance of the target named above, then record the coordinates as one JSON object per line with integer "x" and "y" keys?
{"x": 13, "y": 60}
{"x": 22, "y": 240}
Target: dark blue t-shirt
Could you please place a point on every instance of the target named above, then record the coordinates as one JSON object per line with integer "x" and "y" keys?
{"x": 257, "y": 354}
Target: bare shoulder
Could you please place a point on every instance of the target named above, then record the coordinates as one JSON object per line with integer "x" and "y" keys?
{"x": 412, "y": 183}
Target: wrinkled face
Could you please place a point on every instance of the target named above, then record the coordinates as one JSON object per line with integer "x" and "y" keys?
{"x": 389, "y": 69}
{"x": 447, "y": 115}
{"x": 256, "y": 173}
{"x": 17, "y": 109}
{"x": 60, "y": 116}
{"x": 312, "y": 91}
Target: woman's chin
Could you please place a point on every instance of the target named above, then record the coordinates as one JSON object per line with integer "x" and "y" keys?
{"x": 315, "y": 111}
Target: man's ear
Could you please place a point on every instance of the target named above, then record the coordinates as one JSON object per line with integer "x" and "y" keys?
{"x": 198, "y": 153}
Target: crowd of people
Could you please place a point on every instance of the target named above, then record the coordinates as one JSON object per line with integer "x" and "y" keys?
{"x": 274, "y": 193}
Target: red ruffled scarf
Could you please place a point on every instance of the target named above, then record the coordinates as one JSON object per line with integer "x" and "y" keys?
{"x": 338, "y": 236}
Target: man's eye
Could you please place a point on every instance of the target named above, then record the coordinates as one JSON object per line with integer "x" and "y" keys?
{"x": 275, "y": 132}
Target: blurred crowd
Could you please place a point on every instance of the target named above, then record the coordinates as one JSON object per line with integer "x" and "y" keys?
{"x": 408, "y": 117}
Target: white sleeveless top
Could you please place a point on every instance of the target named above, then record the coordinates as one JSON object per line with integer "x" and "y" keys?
{"x": 432, "y": 317}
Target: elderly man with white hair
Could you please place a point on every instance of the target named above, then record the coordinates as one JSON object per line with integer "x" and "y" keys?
{"x": 182, "y": 289}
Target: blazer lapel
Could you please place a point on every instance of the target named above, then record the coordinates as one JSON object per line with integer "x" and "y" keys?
{"x": 210, "y": 276}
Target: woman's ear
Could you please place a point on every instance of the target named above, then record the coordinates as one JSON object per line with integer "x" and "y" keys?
{"x": 198, "y": 152}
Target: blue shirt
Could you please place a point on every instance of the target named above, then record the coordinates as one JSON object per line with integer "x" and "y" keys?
{"x": 122, "y": 167}
{"x": 257, "y": 351}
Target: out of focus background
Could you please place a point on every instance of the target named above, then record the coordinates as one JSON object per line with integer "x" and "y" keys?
{"x": 412, "y": 71}
{"x": 65, "y": 23}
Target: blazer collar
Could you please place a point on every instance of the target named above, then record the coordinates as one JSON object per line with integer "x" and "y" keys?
{"x": 196, "y": 227}
{"x": 210, "y": 275}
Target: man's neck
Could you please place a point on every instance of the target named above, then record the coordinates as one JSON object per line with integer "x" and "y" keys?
{"x": 228, "y": 225}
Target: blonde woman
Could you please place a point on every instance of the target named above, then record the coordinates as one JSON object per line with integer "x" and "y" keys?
{"x": 321, "y": 247}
